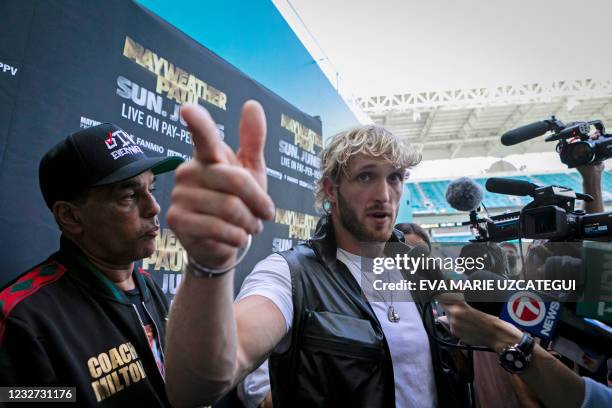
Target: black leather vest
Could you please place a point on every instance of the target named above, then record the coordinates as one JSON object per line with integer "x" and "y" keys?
{"x": 338, "y": 355}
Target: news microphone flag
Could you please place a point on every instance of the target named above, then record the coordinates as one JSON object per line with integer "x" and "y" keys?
{"x": 529, "y": 312}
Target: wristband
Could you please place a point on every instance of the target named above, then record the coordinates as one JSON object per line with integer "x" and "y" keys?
{"x": 201, "y": 271}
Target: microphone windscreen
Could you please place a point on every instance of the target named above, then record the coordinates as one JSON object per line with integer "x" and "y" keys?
{"x": 464, "y": 194}
{"x": 523, "y": 133}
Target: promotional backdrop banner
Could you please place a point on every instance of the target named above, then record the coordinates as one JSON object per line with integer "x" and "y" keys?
{"x": 69, "y": 65}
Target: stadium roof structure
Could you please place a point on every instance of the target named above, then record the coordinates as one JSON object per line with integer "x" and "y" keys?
{"x": 453, "y": 78}
{"x": 470, "y": 122}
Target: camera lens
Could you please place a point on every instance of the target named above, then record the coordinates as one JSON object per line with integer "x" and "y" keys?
{"x": 581, "y": 153}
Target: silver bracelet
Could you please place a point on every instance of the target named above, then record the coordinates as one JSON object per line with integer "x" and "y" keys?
{"x": 200, "y": 271}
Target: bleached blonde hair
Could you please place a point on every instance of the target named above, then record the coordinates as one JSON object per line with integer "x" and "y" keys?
{"x": 370, "y": 141}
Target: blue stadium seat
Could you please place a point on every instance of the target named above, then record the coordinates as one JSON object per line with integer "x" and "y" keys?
{"x": 433, "y": 198}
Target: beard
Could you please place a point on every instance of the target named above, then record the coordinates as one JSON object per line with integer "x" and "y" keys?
{"x": 350, "y": 221}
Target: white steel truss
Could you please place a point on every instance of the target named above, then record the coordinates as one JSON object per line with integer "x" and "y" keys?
{"x": 484, "y": 97}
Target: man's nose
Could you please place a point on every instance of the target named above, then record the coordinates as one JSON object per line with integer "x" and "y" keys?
{"x": 382, "y": 192}
{"x": 150, "y": 207}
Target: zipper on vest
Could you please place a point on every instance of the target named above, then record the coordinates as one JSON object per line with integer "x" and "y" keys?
{"x": 368, "y": 351}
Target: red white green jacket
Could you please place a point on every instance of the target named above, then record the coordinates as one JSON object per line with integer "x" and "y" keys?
{"x": 64, "y": 323}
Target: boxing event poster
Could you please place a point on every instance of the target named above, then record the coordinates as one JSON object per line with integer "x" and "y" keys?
{"x": 65, "y": 66}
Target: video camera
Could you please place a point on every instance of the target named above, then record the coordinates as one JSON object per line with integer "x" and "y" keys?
{"x": 579, "y": 313}
{"x": 551, "y": 215}
{"x": 579, "y": 143}
{"x": 573, "y": 318}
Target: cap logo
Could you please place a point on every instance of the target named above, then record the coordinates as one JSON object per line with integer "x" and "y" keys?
{"x": 127, "y": 145}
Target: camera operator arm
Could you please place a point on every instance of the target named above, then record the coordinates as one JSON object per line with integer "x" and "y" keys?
{"x": 591, "y": 184}
{"x": 552, "y": 382}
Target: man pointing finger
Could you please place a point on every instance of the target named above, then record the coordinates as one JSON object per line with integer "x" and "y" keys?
{"x": 303, "y": 308}
{"x": 219, "y": 199}
{"x": 220, "y": 196}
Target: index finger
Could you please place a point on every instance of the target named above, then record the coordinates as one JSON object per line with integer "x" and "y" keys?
{"x": 208, "y": 145}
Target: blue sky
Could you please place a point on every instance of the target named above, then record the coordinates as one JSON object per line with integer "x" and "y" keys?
{"x": 254, "y": 37}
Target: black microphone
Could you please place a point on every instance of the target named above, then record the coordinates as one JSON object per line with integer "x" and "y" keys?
{"x": 489, "y": 302}
{"x": 564, "y": 267}
{"x": 464, "y": 194}
{"x": 523, "y": 133}
{"x": 510, "y": 186}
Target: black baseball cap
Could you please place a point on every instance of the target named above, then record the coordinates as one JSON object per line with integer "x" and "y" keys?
{"x": 96, "y": 156}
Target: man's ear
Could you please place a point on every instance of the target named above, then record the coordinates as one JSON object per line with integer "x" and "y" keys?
{"x": 68, "y": 217}
{"x": 330, "y": 190}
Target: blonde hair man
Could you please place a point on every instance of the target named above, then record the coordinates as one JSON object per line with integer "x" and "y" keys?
{"x": 303, "y": 308}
